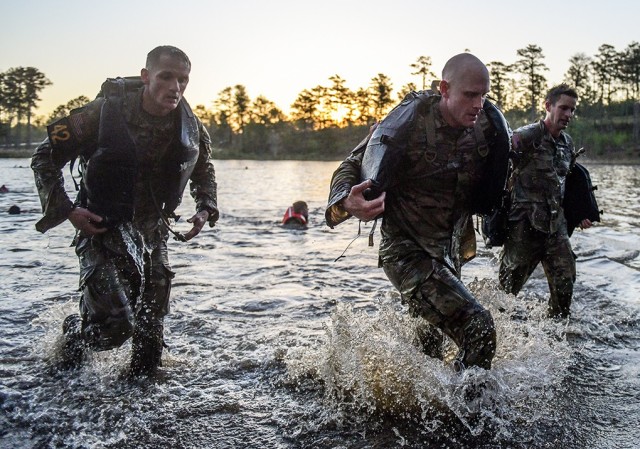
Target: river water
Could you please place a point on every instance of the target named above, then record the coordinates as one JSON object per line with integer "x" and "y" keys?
{"x": 274, "y": 344}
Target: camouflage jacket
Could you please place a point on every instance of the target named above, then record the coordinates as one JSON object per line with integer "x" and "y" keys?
{"x": 539, "y": 175}
{"x": 153, "y": 137}
{"x": 429, "y": 207}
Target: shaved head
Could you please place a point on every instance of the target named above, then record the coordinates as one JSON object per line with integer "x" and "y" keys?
{"x": 462, "y": 64}
{"x": 465, "y": 82}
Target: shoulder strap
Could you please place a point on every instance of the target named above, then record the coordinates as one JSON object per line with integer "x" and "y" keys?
{"x": 481, "y": 141}
{"x": 527, "y": 138}
{"x": 430, "y": 123}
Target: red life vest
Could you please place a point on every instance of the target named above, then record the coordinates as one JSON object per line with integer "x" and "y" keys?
{"x": 290, "y": 214}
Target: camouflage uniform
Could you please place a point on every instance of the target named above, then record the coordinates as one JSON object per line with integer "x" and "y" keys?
{"x": 537, "y": 229}
{"x": 125, "y": 275}
{"x": 427, "y": 232}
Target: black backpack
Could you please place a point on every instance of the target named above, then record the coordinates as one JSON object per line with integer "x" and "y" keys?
{"x": 579, "y": 201}
{"x": 119, "y": 86}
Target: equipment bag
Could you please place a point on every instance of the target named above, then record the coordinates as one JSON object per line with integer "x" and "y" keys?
{"x": 494, "y": 225}
{"x": 579, "y": 201}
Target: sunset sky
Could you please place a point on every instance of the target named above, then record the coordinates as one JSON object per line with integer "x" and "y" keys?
{"x": 277, "y": 48}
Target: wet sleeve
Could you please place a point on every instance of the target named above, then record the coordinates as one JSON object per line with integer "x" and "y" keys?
{"x": 346, "y": 176}
{"x": 54, "y": 200}
{"x": 203, "y": 186}
{"x": 67, "y": 139}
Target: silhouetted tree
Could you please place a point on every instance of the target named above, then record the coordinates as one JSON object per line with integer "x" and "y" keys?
{"x": 265, "y": 112}
{"x": 9, "y": 103}
{"x": 207, "y": 117}
{"x": 259, "y": 135}
{"x": 405, "y": 90}
{"x": 364, "y": 105}
{"x": 65, "y": 109}
{"x": 530, "y": 66}
{"x": 5, "y": 108}
{"x": 606, "y": 68}
{"x": 630, "y": 69}
{"x": 341, "y": 101}
{"x": 422, "y": 67}
{"x": 303, "y": 109}
{"x": 322, "y": 116}
{"x": 579, "y": 75}
{"x": 499, "y": 80}
{"x": 222, "y": 110}
{"x": 381, "y": 89}
{"x": 240, "y": 109}
{"x": 23, "y": 86}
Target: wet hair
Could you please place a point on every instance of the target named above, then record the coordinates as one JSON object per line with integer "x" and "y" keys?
{"x": 300, "y": 207}
{"x": 154, "y": 55}
{"x": 556, "y": 92}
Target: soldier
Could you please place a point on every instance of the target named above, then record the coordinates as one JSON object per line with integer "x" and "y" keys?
{"x": 427, "y": 232}
{"x": 296, "y": 216}
{"x": 537, "y": 226}
{"x": 139, "y": 148}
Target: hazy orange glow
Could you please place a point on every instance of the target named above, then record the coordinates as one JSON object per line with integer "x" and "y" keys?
{"x": 339, "y": 115}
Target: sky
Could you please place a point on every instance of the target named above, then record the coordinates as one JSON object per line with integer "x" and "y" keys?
{"x": 278, "y": 48}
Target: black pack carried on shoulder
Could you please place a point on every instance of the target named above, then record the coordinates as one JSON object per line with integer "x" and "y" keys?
{"x": 494, "y": 224}
{"x": 110, "y": 172}
{"x": 494, "y": 179}
{"x": 119, "y": 86}
{"x": 579, "y": 200}
{"x": 492, "y": 202}
{"x": 387, "y": 144}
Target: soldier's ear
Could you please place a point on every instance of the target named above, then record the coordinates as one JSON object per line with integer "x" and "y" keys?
{"x": 144, "y": 74}
{"x": 444, "y": 88}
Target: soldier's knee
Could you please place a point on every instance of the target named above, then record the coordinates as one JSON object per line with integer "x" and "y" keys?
{"x": 110, "y": 333}
{"x": 108, "y": 318}
{"x": 155, "y": 302}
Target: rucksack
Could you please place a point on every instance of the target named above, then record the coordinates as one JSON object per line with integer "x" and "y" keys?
{"x": 119, "y": 86}
{"x": 494, "y": 224}
{"x": 579, "y": 201}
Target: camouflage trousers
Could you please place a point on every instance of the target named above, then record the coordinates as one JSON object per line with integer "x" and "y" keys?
{"x": 125, "y": 293}
{"x": 524, "y": 248}
{"x": 433, "y": 292}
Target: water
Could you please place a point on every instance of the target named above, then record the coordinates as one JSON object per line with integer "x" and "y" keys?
{"x": 275, "y": 345}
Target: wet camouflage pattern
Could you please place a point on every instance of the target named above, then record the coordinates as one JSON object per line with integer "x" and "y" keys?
{"x": 427, "y": 232}
{"x": 446, "y": 304}
{"x": 537, "y": 228}
{"x": 125, "y": 275}
{"x": 539, "y": 177}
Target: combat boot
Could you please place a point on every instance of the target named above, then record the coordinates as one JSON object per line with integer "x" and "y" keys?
{"x": 74, "y": 347}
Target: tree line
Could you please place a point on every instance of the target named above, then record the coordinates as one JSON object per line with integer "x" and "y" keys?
{"x": 325, "y": 121}
{"x": 20, "y": 89}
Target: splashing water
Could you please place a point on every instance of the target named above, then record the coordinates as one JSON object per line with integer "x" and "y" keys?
{"x": 371, "y": 364}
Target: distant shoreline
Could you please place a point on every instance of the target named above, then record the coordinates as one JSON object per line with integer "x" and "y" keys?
{"x": 21, "y": 153}
{"x": 15, "y": 153}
